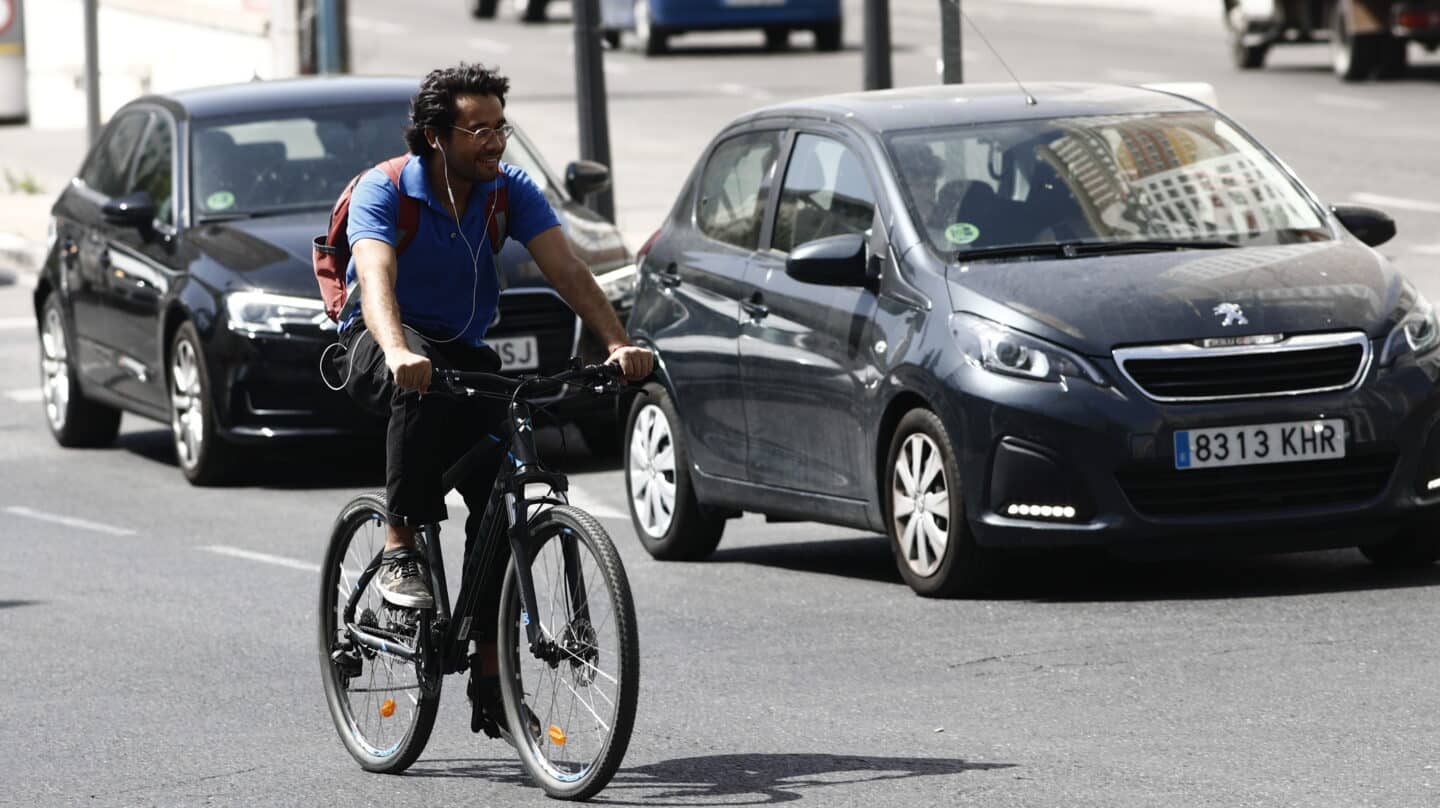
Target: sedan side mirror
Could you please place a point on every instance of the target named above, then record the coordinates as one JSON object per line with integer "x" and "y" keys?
{"x": 1374, "y": 227}
{"x": 135, "y": 210}
{"x": 586, "y": 177}
{"x": 833, "y": 261}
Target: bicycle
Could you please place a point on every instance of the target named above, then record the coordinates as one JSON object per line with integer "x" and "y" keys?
{"x": 564, "y": 679}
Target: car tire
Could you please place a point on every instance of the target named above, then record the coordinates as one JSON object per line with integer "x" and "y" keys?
{"x": 203, "y": 455}
{"x": 612, "y": 38}
{"x": 777, "y": 39}
{"x": 684, "y": 531}
{"x": 1246, "y": 57}
{"x": 484, "y": 9}
{"x": 602, "y": 436}
{"x": 1415, "y": 546}
{"x": 530, "y": 10}
{"x": 935, "y": 551}
{"x": 74, "y": 420}
{"x": 1394, "y": 57}
{"x": 654, "y": 41}
{"x": 1354, "y": 57}
{"x": 829, "y": 37}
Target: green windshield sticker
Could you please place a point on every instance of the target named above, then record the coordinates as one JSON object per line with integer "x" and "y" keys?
{"x": 962, "y": 233}
{"x": 220, "y": 200}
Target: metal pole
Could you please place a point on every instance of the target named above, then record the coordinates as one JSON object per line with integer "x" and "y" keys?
{"x": 590, "y": 94}
{"x": 951, "y": 69}
{"x": 877, "y": 45}
{"x": 330, "y": 39}
{"x": 92, "y": 69}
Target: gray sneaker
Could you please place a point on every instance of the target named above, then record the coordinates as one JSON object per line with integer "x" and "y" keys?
{"x": 402, "y": 583}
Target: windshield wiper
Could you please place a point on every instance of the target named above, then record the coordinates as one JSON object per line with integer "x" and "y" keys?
{"x": 1075, "y": 249}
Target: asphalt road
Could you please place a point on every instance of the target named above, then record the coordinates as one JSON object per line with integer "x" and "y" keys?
{"x": 158, "y": 639}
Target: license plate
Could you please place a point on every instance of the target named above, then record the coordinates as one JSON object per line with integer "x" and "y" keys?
{"x": 516, "y": 353}
{"x": 1322, "y": 439}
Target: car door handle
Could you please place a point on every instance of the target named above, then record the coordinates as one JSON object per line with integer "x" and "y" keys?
{"x": 755, "y": 307}
{"x": 670, "y": 276}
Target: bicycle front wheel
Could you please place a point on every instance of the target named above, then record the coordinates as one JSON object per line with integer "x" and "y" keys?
{"x": 383, "y": 705}
{"x": 571, "y": 703}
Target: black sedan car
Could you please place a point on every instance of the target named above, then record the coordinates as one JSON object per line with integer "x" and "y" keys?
{"x": 179, "y": 287}
{"x": 1107, "y": 318}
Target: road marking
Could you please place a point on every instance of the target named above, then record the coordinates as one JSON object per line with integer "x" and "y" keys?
{"x": 1426, "y": 249}
{"x": 615, "y": 68}
{"x": 494, "y": 45}
{"x": 579, "y": 497}
{"x": 730, "y": 88}
{"x": 17, "y": 322}
{"x": 27, "y": 396}
{"x": 383, "y": 27}
{"x": 263, "y": 558}
{"x": 68, "y": 521}
{"x": 1348, "y": 102}
{"x": 1418, "y": 205}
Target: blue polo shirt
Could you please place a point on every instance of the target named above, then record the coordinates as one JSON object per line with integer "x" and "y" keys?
{"x": 435, "y": 285}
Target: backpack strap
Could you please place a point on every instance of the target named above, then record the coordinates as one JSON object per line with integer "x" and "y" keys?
{"x": 498, "y": 207}
{"x": 409, "y": 209}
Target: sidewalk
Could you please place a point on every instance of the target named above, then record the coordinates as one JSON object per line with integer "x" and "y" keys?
{"x": 43, "y": 162}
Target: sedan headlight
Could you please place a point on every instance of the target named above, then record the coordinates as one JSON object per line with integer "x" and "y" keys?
{"x": 618, "y": 284}
{"x": 263, "y": 312}
{"x": 1417, "y": 332}
{"x": 1003, "y": 350}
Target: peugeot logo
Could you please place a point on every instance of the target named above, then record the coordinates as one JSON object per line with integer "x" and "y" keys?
{"x": 1232, "y": 314}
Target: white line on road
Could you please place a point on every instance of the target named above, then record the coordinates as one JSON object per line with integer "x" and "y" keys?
{"x": 383, "y": 27}
{"x": 68, "y": 521}
{"x": 1418, "y": 205}
{"x": 26, "y": 396}
{"x": 17, "y": 322}
{"x": 1426, "y": 249}
{"x": 264, "y": 558}
{"x": 579, "y": 497}
{"x": 1348, "y": 102}
{"x": 490, "y": 45}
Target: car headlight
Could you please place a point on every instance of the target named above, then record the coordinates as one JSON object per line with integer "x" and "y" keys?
{"x": 1416, "y": 333}
{"x": 1006, "y": 351}
{"x": 619, "y": 284}
{"x": 263, "y": 312}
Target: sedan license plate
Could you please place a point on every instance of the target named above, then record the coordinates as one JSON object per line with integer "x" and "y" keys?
{"x": 1321, "y": 439}
{"x": 516, "y": 353}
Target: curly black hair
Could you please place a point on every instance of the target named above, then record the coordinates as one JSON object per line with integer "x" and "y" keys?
{"x": 434, "y": 105}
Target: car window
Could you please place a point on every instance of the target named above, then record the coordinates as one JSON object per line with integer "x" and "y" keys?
{"x": 826, "y": 193}
{"x": 730, "y": 206}
{"x": 153, "y": 169}
{"x": 106, "y": 170}
{"x": 517, "y": 155}
{"x": 290, "y": 160}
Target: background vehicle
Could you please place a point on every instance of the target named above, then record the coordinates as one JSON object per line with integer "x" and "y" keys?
{"x": 1367, "y": 37}
{"x": 656, "y": 21}
{"x": 178, "y": 283}
{"x": 1091, "y": 321}
{"x": 525, "y": 10}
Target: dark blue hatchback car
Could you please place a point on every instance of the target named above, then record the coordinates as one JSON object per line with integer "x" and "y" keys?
{"x": 1107, "y": 318}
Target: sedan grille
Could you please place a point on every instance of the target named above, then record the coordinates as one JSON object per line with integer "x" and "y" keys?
{"x": 539, "y": 313}
{"x": 1243, "y": 489}
{"x": 1307, "y": 364}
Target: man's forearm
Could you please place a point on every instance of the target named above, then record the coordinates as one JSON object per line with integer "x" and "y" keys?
{"x": 377, "y": 301}
{"x": 577, "y": 285}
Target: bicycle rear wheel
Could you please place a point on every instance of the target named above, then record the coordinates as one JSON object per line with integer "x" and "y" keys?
{"x": 578, "y": 708}
{"x": 383, "y": 705}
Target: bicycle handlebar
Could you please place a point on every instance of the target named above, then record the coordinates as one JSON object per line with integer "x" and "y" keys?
{"x": 602, "y": 378}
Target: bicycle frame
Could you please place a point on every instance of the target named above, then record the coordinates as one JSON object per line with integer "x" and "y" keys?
{"x": 442, "y": 642}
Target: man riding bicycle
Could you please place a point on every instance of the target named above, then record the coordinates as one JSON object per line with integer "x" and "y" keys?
{"x": 429, "y": 307}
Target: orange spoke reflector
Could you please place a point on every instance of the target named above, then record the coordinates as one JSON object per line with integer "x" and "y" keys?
{"x": 388, "y": 708}
{"x": 557, "y": 735}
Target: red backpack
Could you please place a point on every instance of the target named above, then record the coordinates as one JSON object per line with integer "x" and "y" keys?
{"x": 330, "y": 255}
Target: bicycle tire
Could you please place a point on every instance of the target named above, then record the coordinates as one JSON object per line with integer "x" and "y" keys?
{"x": 366, "y": 514}
{"x": 570, "y": 780}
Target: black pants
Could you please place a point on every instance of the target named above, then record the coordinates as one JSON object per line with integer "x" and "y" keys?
{"x": 426, "y": 435}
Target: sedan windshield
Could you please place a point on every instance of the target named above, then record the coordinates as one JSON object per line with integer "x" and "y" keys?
{"x": 1157, "y": 178}
{"x": 302, "y": 160}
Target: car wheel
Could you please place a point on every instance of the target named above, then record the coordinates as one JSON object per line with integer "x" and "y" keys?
{"x": 1394, "y": 57}
{"x": 1354, "y": 57}
{"x": 74, "y": 420}
{"x": 653, "y": 40}
{"x": 204, "y": 457}
{"x": 777, "y": 39}
{"x": 1246, "y": 57}
{"x": 934, "y": 549}
{"x": 612, "y": 38}
{"x": 828, "y": 37}
{"x": 484, "y": 9}
{"x": 1415, "y": 546}
{"x": 530, "y": 10}
{"x": 670, "y": 522}
{"x": 602, "y": 436}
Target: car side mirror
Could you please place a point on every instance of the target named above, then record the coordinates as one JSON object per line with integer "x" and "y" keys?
{"x": 833, "y": 261}
{"x": 586, "y": 177}
{"x": 1374, "y": 227}
{"x": 134, "y": 210}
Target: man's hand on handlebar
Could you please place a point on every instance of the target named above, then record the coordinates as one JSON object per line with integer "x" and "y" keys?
{"x": 411, "y": 370}
{"x": 635, "y": 363}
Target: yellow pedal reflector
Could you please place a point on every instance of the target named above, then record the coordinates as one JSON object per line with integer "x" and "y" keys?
{"x": 388, "y": 708}
{"x": 557, "y": 735}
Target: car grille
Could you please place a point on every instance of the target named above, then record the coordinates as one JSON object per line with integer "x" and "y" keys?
{"x": 1241, "y": 489}
{"x": 542, "y": 314}
{"x": 1309, "y": 364}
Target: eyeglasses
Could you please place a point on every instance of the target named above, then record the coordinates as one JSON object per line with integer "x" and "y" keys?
{"x": 487, "y": 134}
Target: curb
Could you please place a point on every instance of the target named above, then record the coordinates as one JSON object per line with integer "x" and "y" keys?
{"x": 20, "y": 259}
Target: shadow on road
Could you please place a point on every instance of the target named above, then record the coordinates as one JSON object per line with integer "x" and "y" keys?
{"x": 12, "y": 604}
{"x": 1076, "y": 576}
{"x": 739, "y": 779}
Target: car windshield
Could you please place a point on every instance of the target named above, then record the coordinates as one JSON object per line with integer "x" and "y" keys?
{"x": 1158, "y": 178}
{"x": 265, "y": 164}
